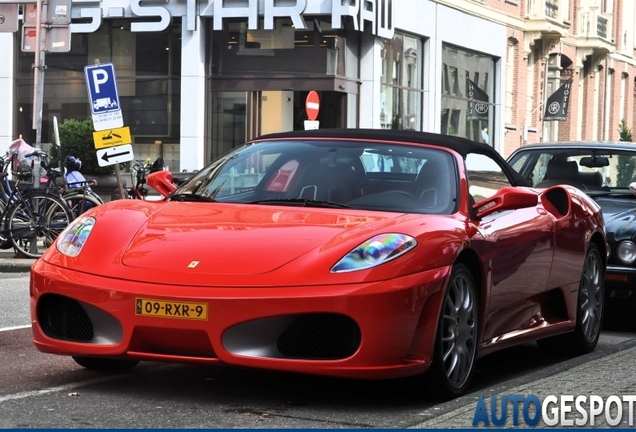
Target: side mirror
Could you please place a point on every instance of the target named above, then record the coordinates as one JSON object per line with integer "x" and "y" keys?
{"x": 506, "y": 198}
{"x": 162, "y": 182}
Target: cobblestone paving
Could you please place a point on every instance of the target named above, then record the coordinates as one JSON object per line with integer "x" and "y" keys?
{"x": 604, "y": 377}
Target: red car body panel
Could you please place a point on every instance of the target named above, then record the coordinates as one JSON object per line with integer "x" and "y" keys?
{"x": 257, "y": 266}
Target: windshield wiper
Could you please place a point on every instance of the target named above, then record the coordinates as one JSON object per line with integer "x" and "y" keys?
{"x": 191, "y": 197}
{"x": 301, "y": 201}
{"x": 615, "y": 194}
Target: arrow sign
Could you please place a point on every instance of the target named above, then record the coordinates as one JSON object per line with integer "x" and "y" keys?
{"x": 115, "y": 155}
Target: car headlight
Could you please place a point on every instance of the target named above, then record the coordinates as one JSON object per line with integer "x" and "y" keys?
{"x": 375, "y": 251}
{"x": 626, "y": 251}
{"x": 71, "y": 241}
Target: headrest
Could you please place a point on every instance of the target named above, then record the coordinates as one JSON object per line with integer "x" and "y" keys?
{"x": 562, "y": 170}
{"x": 593, "y": 178}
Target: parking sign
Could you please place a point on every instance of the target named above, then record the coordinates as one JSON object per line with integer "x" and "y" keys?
{"x": 102, "y": 88}
{"x": 103, "y": 96}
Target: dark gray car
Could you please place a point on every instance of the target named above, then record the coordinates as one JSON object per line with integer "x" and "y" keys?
{"x": 605, "y": 171}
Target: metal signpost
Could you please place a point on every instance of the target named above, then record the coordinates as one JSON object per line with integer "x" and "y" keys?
{"x": 111, "y": 139}
{"x": 45, "y": 28}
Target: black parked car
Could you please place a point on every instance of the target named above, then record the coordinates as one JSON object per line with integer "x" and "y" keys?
{"x": 606, "y": 171}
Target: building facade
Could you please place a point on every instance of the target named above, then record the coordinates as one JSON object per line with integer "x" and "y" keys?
{"x": 196, "y": 79}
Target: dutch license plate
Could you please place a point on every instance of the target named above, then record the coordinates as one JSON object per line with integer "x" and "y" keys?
{"x": 170, "y": 309}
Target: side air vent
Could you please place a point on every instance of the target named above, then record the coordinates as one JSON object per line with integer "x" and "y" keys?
{"x": 63, "y": 318}
{"x": 320, "y": 336}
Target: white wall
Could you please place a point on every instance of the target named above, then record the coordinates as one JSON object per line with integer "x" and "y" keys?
{"x": 7, "y": 93}
{"x": 278, "y": 111}
{"x": 193, "y": 97}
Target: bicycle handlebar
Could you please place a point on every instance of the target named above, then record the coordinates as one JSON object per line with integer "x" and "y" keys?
{"x": 38, "y": 153}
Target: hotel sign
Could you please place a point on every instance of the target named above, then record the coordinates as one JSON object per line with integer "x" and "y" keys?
{"x": 374, "y": 16}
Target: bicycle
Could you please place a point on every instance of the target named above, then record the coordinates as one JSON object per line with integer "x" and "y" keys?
{"x": 78, "y": 194}
{"x": 140, "y": 169}
{"x": 31, "y": 218}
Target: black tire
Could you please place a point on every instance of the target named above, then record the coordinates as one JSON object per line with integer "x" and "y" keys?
{"x": 81, "y": 202}
{"x": 105, "y": 364}
{"x": 5, "y": 241}
{"x": 456, "y": 338}
{"x": 34, "y": 225}
{"x": 590, "y": 310}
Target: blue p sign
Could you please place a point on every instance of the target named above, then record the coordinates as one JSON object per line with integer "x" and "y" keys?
{"x": 102, "y": 88}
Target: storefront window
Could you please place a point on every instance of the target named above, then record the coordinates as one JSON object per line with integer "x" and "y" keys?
{"x": 401, "y": 89}
{"x": 467, "y": 94}
{"x": 315, "y": 50}
{"x": 259, "y": 79}
{"x": 148, "y": 71}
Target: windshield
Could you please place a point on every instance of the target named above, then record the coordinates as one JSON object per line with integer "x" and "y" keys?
{"x": 595, "y": 171}
{"x": 330, "y": 173}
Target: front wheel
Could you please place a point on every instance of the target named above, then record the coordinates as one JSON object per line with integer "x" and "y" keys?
{"x": 457, "y": 336}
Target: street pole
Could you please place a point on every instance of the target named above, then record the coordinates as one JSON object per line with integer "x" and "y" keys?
{"x": 38, "y": 86}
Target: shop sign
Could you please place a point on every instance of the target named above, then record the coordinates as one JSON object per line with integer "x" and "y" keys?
{"x": 375, "y": 16}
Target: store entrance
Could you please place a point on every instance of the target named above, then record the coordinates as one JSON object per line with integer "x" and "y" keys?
{"x": 282, "y": 111}
{"x": 240, "y": 116}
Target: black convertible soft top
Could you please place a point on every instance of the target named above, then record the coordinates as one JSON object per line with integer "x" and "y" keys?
{"x": 463, "y": 146}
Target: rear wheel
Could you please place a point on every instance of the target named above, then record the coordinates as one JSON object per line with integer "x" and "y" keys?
{"x": 591, "y": 302}
{"x": 105, "y": 364}
{"x": 457, "y": 336}
{"x": 5, "y": 241}
{"x": 34, "y": 225}
{"x": 589, "y": 314}
{"x": 81, "y": 202}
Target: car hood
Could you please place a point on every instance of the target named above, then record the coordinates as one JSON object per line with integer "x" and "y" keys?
{"x": 231, "y": 245}
{"x": 620, "y": 217}
{"x": 238, "y": 239}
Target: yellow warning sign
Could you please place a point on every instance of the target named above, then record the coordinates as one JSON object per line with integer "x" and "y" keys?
{"x": 112, "y": 137}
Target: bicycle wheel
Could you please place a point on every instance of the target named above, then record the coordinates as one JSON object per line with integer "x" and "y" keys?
{"x": 35, "y": 222}
{"x": 79, "y": 202}
{"x": 5, "y": 241}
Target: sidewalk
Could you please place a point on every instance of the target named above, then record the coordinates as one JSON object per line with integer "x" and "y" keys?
{"x": 10, "y": 264}
{"x": 605, "y": 372}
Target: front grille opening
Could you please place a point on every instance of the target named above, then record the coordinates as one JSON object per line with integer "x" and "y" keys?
{"x": 178, "y": 342}
{"x": 64, "y": 318}
{"x": 320, "y": 336}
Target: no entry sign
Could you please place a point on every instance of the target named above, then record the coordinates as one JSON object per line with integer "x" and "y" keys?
{"x": 312, "y": 105}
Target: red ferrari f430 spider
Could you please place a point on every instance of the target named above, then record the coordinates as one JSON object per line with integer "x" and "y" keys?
{"x": 367, "y": 254}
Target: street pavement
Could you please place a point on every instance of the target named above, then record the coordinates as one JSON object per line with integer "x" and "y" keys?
{"x": 605, "y": 375}
{"x": 605, "y": 372}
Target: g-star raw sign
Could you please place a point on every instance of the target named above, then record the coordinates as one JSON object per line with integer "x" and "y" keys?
{"x": 374, "y": 16}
